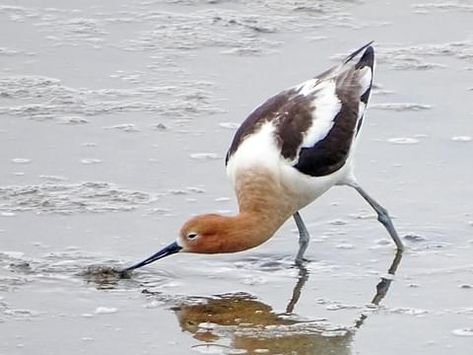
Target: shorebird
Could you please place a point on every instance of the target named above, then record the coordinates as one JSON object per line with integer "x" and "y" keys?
{"x": 287, "y": 153}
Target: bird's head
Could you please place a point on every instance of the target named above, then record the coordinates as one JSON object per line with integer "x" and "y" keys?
{"x": 204, "y": 234}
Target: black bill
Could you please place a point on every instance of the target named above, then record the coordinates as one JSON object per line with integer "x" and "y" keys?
{"x": 172, "y": 248}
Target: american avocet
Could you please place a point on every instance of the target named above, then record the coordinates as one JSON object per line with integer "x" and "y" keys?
{"x": 287, "y": 153}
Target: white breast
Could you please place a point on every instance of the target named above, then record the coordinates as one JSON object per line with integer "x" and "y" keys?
{"x": 259, "y": 149}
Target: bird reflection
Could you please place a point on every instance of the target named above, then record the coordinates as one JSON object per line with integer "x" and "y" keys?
{"x": 383, "y": 286}
{"x": 251, "y": 324}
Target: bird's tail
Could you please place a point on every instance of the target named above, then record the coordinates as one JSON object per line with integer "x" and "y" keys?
{"x": 363, "y": 56}
{"x": 359, "y": 66}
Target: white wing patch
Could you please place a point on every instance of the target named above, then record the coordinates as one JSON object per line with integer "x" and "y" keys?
{"x": 361, "y": 109}
{"x": 365, "y": 77}
{"x": 327, "y": 105}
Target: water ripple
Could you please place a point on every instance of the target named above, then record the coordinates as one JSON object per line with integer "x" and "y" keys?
{"x": 71, "y": 198}
{"x": 444, "y": 6}
{"x": 53, "y": 100}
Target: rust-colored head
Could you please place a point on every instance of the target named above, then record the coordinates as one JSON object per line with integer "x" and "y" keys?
{"x": 211, "y": 234}
{"x": 206, "y": 234}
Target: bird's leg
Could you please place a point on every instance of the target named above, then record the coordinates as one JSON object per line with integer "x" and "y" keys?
{"x": 383, "y": 215}
{"x": 304, "y": 238}
{"x": 296, "y": 292}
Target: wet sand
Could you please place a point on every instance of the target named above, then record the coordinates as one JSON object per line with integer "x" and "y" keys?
{"x": 114, "y": 122}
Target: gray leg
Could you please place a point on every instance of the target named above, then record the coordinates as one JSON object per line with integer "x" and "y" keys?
{"x": 304, "y": 237}
{"x": 383, "y": 216}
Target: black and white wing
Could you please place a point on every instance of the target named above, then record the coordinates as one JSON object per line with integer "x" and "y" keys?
{"x": 316, "y": 123}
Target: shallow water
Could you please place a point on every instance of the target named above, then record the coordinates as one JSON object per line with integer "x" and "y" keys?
{"x": 115, "y": 119}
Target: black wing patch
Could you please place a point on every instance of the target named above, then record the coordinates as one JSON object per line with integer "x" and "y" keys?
{"x": 330, "y": 154}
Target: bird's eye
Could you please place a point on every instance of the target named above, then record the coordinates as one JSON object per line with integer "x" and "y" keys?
{"x": 192, "y": 236}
